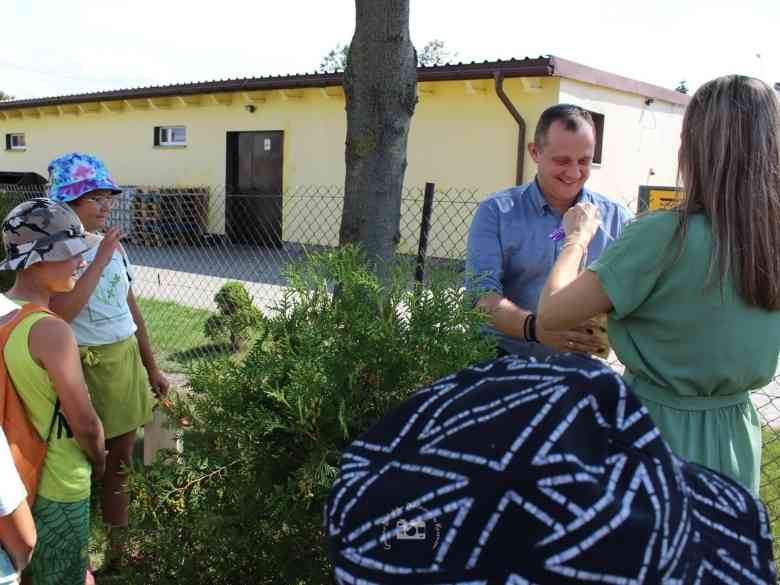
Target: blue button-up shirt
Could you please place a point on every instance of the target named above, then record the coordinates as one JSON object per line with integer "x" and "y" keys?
{"x": 511, "y": 253}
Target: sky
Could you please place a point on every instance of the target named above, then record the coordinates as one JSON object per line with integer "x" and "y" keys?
{"x": 60, "y": 47}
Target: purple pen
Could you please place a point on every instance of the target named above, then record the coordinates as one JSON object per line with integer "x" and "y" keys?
{"x": 558, "y": 234}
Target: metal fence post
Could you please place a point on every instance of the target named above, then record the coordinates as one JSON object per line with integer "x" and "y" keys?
{"x": 425, "y": 228}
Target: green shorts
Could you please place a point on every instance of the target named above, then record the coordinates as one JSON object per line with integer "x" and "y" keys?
{"x": 118, "y": 385}
{"x": 62, "y": 553}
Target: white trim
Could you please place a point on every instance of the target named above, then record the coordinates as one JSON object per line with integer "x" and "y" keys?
{"x": 167, "y": 137}
{"x": 13, "y": 135}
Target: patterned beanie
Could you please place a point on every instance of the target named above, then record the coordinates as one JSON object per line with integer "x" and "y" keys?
{"x": 520, "y": 472}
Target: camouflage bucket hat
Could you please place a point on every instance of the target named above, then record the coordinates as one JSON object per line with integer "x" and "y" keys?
{"x": 40, "y": 230}
{"x": 76, "y": 174}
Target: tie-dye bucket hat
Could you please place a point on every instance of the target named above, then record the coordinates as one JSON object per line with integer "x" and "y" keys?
{"x": 76, "y": 174}
{"x": 40, "y": 230}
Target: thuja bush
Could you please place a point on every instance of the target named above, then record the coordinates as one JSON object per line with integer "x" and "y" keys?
{"x": 236, "y": 319}
{"x": 245, "y": 505}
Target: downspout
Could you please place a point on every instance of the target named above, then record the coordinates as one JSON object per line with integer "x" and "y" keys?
{"x": 499, "y": 79}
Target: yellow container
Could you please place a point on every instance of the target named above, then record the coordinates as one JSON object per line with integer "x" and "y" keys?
{"x": 601, "y": 334}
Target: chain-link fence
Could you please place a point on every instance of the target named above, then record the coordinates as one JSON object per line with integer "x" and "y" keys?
{"x": 185, "y": 244}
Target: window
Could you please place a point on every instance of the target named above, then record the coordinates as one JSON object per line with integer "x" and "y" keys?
{"x": 598, "y": 121}
{"x": 170, "y": 136}
{"x": 15, "y": 141}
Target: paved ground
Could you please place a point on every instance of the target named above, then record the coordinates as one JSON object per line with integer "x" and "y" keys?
{"x": 201, "y": 271}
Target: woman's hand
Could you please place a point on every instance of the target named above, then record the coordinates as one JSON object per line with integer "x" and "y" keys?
{"x": 581, "y": 222}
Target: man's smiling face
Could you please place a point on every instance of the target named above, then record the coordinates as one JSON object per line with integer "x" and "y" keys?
{"x": 563, "y": 161}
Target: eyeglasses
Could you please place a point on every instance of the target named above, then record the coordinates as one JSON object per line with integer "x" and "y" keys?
{"x": 102, "y": 200}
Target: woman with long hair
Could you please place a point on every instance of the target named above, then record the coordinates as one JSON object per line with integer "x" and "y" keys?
{"x": 693, "y": 294}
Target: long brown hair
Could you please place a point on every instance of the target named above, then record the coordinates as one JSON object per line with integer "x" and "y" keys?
{"x": 729, "y": 166}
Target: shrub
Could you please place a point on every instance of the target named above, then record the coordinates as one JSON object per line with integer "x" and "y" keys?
{"x": 236, "y": 317}
{"x": 246, "y": 505}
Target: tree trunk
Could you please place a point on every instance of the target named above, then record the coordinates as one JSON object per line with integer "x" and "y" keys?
{"x": 380, "y": 85}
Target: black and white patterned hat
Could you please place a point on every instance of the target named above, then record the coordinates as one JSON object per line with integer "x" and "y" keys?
{"x": 40, "y": 230}
{"x": 518, "y": 472}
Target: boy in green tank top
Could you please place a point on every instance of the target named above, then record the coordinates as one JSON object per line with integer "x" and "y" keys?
{"x": 43, "y": 244}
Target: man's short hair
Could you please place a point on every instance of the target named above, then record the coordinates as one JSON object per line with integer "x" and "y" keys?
{"x": 572, "y": 116}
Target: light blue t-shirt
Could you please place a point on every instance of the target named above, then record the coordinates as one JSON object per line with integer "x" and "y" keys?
{"x": 106, "y": 318}
{"x": 510, "y": 251}
{"x": 12, "y": 493}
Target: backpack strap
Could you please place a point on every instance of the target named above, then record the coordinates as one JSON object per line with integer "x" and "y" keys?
{"x": 58, "y": 418}
{"x": 18, "y": 316}
{"x": 5, "y": 332}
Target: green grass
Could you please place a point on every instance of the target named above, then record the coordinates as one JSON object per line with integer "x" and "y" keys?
{"x": 176, "y": 334}
{"x": 770, "y": 482}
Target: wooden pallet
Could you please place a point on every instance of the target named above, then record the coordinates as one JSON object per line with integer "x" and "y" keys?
{"x": 139, "y": 207}
{"x": 146, "y": 214}
{"x": 154, "y": 209}
{"x": 147, "y": 238}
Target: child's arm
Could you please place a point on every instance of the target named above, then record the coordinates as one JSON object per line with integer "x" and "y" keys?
{"x": 17, "y": 528}
{"x": 18, "y": 536}
{"x": 157, "y": 379}
{"x": 53, "y": 346}
{"x": 69, "y": 305}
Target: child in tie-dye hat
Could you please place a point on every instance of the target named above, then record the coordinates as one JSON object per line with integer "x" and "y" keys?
{"x": 118, "y": 361}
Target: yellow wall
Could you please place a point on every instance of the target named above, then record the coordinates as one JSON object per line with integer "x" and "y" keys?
{"x": 637, "y": 138}
{"x": 462, "y": 138}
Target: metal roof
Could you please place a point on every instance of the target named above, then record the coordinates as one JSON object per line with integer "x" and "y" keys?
{"x": 547, "y": 66}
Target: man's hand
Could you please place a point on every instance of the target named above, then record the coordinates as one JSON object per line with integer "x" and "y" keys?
{"x": 580, "y": 339}
{"x": 107, "y": 247}
{"x": 159, "y": 383}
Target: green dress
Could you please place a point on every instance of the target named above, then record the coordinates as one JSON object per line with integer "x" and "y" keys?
{"x": 692, "y": 350}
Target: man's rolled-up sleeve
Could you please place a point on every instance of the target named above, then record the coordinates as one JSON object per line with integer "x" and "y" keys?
{"x": 484, "y": 261}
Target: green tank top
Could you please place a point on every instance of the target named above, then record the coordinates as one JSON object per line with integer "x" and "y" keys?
{"x": 66, "y": 472}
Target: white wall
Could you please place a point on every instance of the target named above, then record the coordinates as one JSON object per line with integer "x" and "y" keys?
{"x": 638, "y": 139}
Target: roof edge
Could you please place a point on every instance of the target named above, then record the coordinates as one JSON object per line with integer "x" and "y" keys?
{"x": 578, "y": 72}
{"x": 545, "y": 66}
{"x": 537, "y": 67}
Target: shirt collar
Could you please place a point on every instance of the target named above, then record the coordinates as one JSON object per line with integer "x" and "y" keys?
{"x": 540, "y": 203}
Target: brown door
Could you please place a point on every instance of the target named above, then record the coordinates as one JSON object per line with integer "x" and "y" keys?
{"x": 254, "y": 187}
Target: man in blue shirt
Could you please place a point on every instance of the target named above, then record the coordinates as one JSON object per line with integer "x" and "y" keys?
{"x": 512, "y": 246}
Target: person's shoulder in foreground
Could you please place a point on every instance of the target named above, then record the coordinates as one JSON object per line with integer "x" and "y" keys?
{"x": 6, "y": 305}
{"x": 518, "y": 471}
{"x": 12, "y": 494}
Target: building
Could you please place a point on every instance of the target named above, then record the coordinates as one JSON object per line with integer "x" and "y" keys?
{"x": 276, "y": 135}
